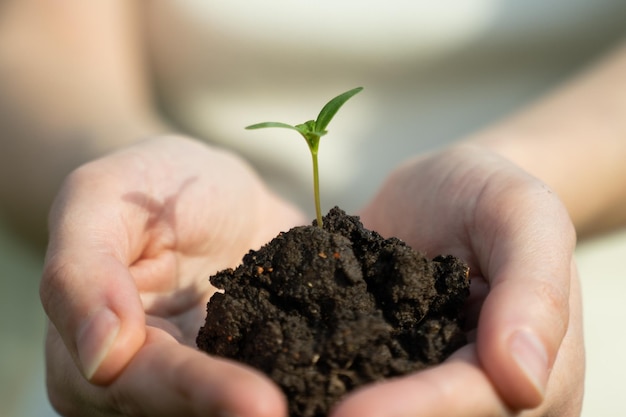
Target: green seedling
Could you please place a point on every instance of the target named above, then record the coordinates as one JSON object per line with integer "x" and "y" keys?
{"x": 312, "y": 131}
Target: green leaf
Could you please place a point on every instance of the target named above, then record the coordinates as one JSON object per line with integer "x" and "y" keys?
{"x": 271, "y": 124}
{"x": 329, "y": 110}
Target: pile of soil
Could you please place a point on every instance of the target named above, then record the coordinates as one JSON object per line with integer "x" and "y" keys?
{"x": 323, "y": 311}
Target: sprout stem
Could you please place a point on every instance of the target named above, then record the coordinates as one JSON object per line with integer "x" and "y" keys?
{"x": 316, "y": 188}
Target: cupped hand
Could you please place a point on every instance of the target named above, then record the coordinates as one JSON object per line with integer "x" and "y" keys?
{"x": 524, "y": 314}
{"x": 134, "y": 237}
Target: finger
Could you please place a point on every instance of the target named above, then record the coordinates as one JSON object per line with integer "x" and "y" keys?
{"x": 87, "y": 290}
{"x": 164, "y": 379}
{"x": 565, "y": 389}
{"x": 96, "y": 308}
{"x": 69, "y": 393}
{"x": 525, "y": 315}
{"x": 458, "y": 387}
{"x": 167, "y": 378}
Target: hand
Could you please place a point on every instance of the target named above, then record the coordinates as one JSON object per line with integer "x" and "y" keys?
{"x": 134, "y": 237}
{"x": 527, "y": 349}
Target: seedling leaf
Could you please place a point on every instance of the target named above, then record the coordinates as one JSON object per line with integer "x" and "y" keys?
{"x": 328, "y": 111}
{"x": 271, "y": 124}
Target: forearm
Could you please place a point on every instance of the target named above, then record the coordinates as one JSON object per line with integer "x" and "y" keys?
{"x": 75, "y": 85}
{"x": 575, "y": 141}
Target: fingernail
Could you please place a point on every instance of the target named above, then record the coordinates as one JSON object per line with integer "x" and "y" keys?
{"x": 95, "y": 338}
{"x": 532, "y": 358}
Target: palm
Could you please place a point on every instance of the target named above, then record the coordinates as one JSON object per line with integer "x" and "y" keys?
{"x": 144, "y": 229}
{"x": 518, "y": 240}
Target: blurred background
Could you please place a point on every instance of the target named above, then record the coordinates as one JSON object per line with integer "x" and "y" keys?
{"x": 432, "y": 76}
{"x": 22, "y": 323}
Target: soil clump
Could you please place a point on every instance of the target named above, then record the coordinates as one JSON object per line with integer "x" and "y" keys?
{"x": 323, "y": 311}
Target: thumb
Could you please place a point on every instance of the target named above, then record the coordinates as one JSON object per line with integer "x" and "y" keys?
{"x": 525, "y": 316}
{"x": 94, "y": 305}
{"x": 86, "y": 289}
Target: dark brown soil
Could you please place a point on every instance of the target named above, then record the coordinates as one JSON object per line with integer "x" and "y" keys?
{"x": 323, "y": 311}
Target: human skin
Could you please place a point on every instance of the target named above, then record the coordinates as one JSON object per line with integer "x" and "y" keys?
{"x": 518, "y": 240}
{"x": 134, "y": 236}
{"x": 573, "y": 140}
{"x": 75, "y": 85}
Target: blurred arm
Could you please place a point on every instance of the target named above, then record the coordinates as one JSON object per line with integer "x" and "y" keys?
{"x": 575, "y": 141}
{"x": 74, "y": 84}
